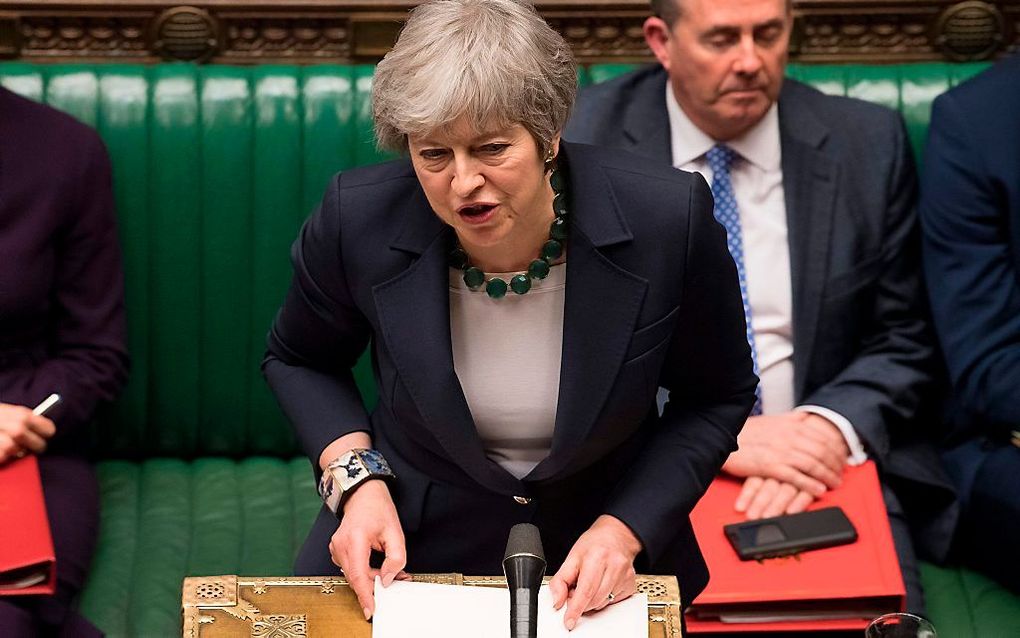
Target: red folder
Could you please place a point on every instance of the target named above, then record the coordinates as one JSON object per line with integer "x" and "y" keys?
{"x": 835, "y": 588}
{"x": 27, "y": 562}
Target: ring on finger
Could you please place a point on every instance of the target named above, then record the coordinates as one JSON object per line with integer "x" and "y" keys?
{"x": 20, "y": 454}
{"x": 611, "y": 597}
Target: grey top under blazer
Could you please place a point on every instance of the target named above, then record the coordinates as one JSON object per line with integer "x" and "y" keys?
{"x": 651, "y": 299}
{"x": 863, "y": 345}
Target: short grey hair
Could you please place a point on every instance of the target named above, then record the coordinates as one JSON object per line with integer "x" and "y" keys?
{"x": 495, "y": 62}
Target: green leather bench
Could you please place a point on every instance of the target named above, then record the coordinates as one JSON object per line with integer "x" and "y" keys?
{"x": 215, "y": 168}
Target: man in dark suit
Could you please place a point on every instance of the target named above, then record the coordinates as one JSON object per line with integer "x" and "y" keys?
{"x": 970, "y": 214}
{"x": 817, "y": 195}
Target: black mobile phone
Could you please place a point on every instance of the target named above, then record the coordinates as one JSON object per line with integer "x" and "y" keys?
{"x": 790, "y": 533}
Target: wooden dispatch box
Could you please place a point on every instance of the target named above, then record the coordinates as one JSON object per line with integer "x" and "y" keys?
{"x": 293, "y": 607}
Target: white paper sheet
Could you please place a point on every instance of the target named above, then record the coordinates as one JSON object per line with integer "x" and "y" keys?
{"x": 425, "y": 610}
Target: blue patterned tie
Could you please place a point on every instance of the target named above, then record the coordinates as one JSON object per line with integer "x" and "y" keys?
{"x": 720, "y": 158}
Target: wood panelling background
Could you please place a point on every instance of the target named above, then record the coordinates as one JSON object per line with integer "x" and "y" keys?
{"x": 305, "y": 31}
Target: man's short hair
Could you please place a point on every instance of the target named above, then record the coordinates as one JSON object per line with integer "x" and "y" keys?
{"x": 668, "y": 10}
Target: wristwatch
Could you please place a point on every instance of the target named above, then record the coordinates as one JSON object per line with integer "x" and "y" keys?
{"x": 349, "y": 470}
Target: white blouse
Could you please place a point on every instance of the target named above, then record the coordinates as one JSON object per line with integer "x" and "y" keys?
{"x": 507, "y": 355}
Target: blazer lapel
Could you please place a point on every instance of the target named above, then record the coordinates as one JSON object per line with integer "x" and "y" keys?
{"x": 809, "y": 181}
{"x": 645, "y": 121}
{"x": 601, "y": 309}
{"x": 414, "y": 319}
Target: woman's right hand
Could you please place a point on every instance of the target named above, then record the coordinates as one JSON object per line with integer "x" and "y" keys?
{"x": 22, "y": 432}
{"x": 369, "y": 522}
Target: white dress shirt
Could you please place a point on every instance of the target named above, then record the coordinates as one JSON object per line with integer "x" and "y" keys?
{"x": 757, "y": 179}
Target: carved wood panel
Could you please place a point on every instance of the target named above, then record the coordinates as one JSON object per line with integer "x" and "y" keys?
{"x": 306, "y": 31}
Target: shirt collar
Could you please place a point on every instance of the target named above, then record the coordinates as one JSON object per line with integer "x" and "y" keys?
{"x": 759, "y": 145}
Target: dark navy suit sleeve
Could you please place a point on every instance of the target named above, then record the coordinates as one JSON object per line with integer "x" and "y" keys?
{"x": 975, "y": 287}
{"x": 317, "y": 337}
{"x": 887, "y": 380}
{"x": 709, "y": 374}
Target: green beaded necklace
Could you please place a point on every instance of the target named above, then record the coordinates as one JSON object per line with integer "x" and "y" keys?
{"x": 552, "y": 249}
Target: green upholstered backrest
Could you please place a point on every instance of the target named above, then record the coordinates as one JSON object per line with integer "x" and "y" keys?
{"x": 215, "y": 167}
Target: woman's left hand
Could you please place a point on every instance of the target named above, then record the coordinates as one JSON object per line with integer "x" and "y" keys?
{"x": 600, "y": 563}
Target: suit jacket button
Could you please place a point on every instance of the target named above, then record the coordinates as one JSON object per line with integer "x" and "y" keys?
{"x": 523, "y": 500}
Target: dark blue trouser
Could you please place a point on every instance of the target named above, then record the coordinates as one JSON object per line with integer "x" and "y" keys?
{"x": 905, "y": 553}
{"x": 987, "y": 539}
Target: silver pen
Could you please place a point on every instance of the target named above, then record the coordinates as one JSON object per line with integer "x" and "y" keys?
{"x": 47, "y": 404}
{"x": 40, "y": 410}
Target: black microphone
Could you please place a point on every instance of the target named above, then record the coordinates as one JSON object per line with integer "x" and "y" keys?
{"x": 524, "y": 567}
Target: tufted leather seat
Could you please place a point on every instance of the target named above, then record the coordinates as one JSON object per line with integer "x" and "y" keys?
{"x": 215, "y": 168}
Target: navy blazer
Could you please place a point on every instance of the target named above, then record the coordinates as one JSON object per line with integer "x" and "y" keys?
{"x": 970, "y": 211}
{"x": 862, "y": 343}
{"x": 651, "y": 299}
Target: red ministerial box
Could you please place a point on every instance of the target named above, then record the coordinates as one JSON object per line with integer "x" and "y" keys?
{"x": 27, "y": 562}
{"x": 826, "y": 589}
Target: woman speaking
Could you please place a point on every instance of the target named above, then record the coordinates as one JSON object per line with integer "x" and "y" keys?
{"x": 524, "y": 299}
